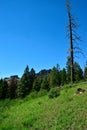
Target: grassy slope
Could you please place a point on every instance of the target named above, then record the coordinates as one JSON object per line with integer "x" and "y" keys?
{"x": 67, "y": 112}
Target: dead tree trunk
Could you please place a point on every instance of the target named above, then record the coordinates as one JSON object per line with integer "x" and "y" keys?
{"x": 71, "y": 39}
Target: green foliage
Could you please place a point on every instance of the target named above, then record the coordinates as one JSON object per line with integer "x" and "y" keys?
{"x": 67, "y": 112}
{"x": 37, "y": 84}
{"x": 85, "y": 71}
{"x": 25, "y": 84}
{"x": 28, "y": 122}
{"x": 54, "y": 92}
{"x": 3, "y": 89}
{"x": 78, "y": 73}
{"x": 45, "y": 84}
{"x": 68, "y": 70}
{"x": 33, "y": 94}
{"x": 63, "y": 76}
{"x": 42, "y": 92}
{"x": 12, "y": 88}
{"x": 32, "y": 76}
{"x": 55, "y": 79}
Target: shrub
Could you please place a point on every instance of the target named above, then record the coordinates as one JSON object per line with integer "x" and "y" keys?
{"x": 42, "y": 92}
{"x": 33, "y": 94}
{"x": 54, "y": 92}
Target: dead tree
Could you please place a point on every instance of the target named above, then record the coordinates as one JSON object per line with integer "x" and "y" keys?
{"x": 73, "y": 37}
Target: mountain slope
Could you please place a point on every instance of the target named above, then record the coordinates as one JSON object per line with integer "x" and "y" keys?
{"x": 67, "y": 112}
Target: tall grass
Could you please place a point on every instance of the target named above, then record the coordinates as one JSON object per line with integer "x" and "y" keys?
{"x": 67, "y": 112}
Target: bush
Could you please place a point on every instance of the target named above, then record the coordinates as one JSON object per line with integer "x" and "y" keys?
{"x": 54, "y": 92}
{"x": 33, "y": 94}
{"x": 42, "y": 92}
{"x": 68, "y": 86}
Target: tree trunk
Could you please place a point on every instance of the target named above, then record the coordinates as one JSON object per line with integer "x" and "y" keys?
{"x": 71, "y": 42}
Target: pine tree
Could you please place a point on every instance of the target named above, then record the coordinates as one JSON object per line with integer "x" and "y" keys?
{"x": 55, "y": 79}
{"x": 68, "y": 70}
{"x": 85, "y": 71}
{"x": 32, "y": 76}
{"x": 78, "y": 73}
{"x": 12, "y": 88}
{"x": 3, "y": 89}
{"x": 24, "y": 85}
{"x": 37, "y": 84}
{"x": 45, "y": 84}
{"x": 63, "y": 76}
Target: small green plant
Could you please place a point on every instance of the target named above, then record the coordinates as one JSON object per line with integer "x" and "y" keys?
{"x": 33, "y": 94}
{"x": 67, "y": 112}
{"x": 68, "y": 86}
{"x": 42, "y": 92}
{"x": 54, "y": 92}
{"x": 28, "y": 122}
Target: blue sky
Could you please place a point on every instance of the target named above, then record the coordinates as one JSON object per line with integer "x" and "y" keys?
{"x": 33, "y": 32}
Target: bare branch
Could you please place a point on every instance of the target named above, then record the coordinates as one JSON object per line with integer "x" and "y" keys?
{"x": 73, "y": 37}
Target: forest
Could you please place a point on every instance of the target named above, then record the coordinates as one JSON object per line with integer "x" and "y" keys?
{"x": 51, "y": 99}
{"x": 44, "y": 81}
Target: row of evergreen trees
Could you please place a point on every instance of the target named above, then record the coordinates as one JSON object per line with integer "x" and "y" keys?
{"x": 30, "y": 81}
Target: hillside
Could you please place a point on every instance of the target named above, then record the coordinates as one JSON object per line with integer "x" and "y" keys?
{"x": 67, "y": 112}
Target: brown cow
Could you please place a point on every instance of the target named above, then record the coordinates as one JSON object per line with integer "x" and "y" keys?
{"x": 80, "y": 90}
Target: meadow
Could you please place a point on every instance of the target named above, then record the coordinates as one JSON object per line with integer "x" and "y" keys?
{"x": 66, "y": 112}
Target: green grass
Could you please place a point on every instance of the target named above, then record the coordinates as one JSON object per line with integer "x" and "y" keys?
{"x": 67, "y": 112}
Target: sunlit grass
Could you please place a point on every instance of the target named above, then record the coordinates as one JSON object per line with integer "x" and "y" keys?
{"x": 67, "y": 112}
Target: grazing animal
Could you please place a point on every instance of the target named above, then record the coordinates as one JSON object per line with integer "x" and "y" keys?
{"x": 80, "y": 91}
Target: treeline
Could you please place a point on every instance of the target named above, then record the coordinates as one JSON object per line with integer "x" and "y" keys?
{"x": 45, "y": 80}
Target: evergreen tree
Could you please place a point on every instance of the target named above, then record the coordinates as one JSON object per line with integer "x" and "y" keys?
{"x": 55, "y": 79}
{"x": 68, "y": 70}
{"x": 12, "y": 88}
{"x": 63, "y": 76}
{"x": 78, "y": 73}
{"x": 85, "y": 71}
{"x": 37, "y": 84}
{"x": 3, "y": 89}
{"x": 32, "y": 76}
{"x": 45, "y": 84}
{"x": 24, "y": 85}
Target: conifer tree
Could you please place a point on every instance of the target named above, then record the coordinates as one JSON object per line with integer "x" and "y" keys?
{"x": 3, "y": 89}
{"x": 37, "y": 84}
{"x": 24, "y": 85}
{"x": 78, "y": 73}
{"x": 45, "y": 84}
{"x": 12, "y": 88}
{"x": 55, "y": 79}
{"x": 85, "y": 71}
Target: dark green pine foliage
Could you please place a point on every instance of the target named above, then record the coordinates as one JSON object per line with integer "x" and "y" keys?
{"x": 3, "y": 89}
{"x": 37, "y": 84}
{"x": 32, "y": 76}
{"x": 25, "y": 85}
{"x": 45, "y": 84}
{"x": 12, "y": 88}
{"x": 63, "y": 76}
{"x": 85, "y": 71}
{"x": 68, "y": 70}
{"x": 78, "y": 73}
{"x": 55, "y": 79}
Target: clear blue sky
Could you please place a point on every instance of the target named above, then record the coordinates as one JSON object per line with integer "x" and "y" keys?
{"x": 33, "y": 32}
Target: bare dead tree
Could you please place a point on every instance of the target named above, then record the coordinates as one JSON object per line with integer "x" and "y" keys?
{"x": 73, "y": 37}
